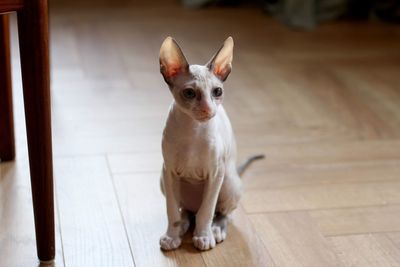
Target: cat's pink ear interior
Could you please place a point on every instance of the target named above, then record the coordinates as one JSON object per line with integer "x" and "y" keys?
{"x": 172, "y": 60}
{"x": 221, "y": 63}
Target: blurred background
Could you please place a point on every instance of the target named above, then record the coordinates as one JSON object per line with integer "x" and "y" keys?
{"x": 308, "y": 13}
{"x": 315, "y": 86}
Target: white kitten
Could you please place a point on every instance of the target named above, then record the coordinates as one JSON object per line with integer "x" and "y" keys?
{"x": 199, "y": 174}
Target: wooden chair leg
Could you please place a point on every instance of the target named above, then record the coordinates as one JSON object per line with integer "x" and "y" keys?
{"x": 34, "y": 50}
{"x": 7, "y": 145}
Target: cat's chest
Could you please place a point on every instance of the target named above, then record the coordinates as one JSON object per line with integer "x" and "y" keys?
{"x": 192, "y": 158}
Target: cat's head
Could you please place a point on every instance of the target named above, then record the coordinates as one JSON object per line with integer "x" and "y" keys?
{"x": 197, "y": 89}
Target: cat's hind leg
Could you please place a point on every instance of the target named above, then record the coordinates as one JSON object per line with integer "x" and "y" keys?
{"x": 230, "y": 193}
{"x": 185, "y": 221}
{"x": 228, "y": 200}
{"x": 219, "y": 227}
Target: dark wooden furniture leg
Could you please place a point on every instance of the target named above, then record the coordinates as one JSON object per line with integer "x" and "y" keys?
{"x": 34, "y": 50}
{"x": 7, "y": 145}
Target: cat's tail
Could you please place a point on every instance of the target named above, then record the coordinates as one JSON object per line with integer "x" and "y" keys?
{"x": 242, "y": 167}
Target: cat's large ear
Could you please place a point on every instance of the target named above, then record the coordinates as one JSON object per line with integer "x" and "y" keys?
{"x": 172, "y": 60}
{"x": 221, "y": 63}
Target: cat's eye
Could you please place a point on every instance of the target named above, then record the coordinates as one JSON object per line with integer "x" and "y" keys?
{"x": 189, "y": 93}
{"x": 217, "y": 92}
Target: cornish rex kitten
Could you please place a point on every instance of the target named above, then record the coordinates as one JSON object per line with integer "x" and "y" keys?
{"x": 199, "y": 174}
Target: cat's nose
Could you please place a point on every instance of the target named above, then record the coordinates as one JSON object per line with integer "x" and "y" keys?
{"x": 206, "y": 112}
{"x": 205, "y": 108}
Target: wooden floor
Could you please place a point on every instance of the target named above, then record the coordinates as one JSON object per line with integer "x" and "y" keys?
{"x": 324, "y": 106}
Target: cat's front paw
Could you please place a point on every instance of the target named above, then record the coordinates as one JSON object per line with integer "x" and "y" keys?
{"x": 170, "y": 243}
{"x": 204, "y": 242}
